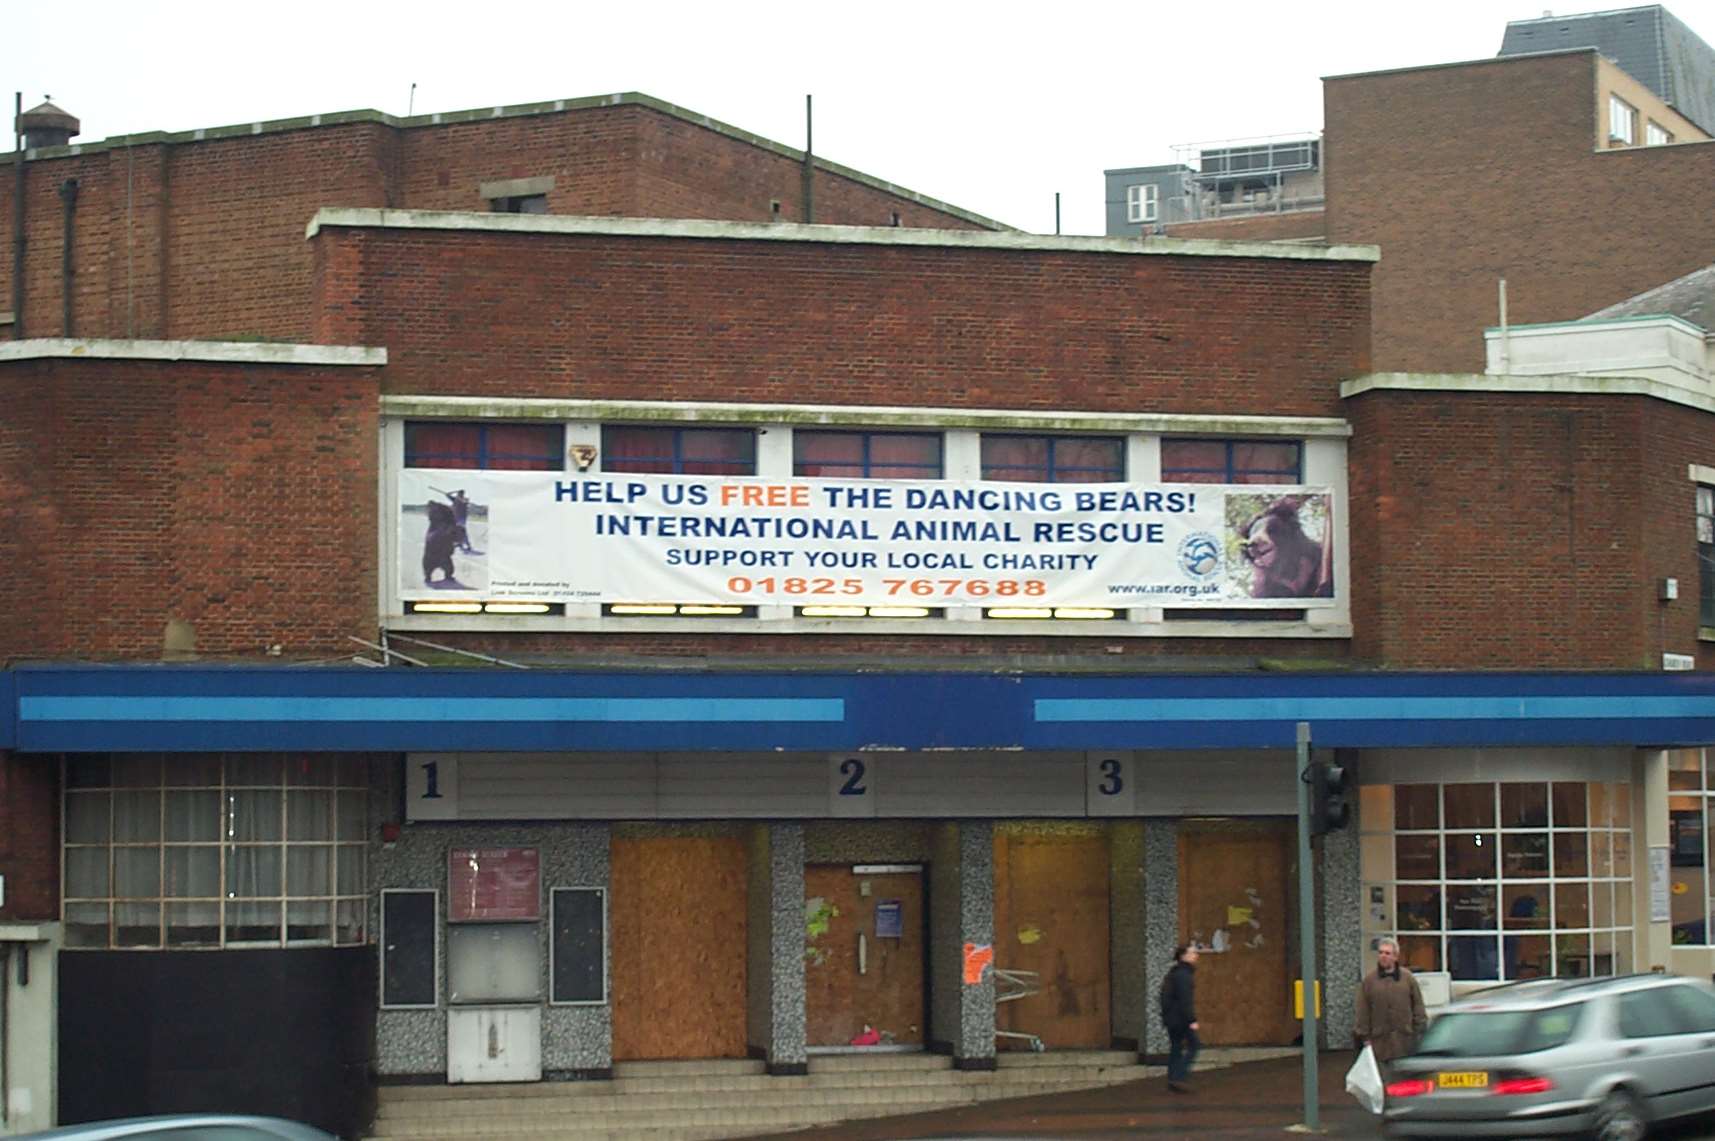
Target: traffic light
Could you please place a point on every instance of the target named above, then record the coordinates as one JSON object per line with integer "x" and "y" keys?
{"x": 1330, "y": 797}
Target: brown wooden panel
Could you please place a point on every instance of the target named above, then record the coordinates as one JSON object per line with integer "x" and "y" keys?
{"x": 888, "y": 995}
{"x": 1051, "y": 917}
{"x": 677, "y": 947}
{"x": 1230, "y": 877}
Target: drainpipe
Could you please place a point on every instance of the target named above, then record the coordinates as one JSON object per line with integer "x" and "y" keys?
{"x": 68, "y": 266}
{"x": 5, "y": 988}
{"x": 18, "y": 217}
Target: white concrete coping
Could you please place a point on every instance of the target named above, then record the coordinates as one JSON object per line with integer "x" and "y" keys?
{"x": 374, "y": 218}
{"x": 482, "y": 408}
{"x": 26, "y": 932}
{"x": 225, "y": 352}
{"x": 1558, "y": 384}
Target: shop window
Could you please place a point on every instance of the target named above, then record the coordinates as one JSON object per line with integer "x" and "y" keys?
{"x": 867, "y": 455}
{"x": 1705, "y": 555}
{"x": 1501, "y": 881}
{"x": 1053, "y": 459}
{"x": 1690, "y": 802}
{"x": 215, "y": 851}
{"x": 502, "y": 447}
{"x": 678, "y": 451}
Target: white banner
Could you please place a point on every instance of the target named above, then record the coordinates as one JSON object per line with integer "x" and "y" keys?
{"x": 602, "y": 538}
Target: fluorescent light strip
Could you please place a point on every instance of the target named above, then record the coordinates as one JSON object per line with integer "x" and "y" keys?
{"x": 634, "y": 608}
{"x": 516, "y": 607}
{"x": 446, "y": 607}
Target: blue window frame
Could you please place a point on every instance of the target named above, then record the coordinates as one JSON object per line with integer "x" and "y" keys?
{"x": 867, "y": 455}
{"x": 1231, "y": 461}
{"x": 504, "y": 447}
{"x": 678, "y": 451}
{"x": 1054, "y": 459}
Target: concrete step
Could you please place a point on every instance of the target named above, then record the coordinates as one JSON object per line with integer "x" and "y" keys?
{"x": 878, "y": 1063}
{"x": 685, "y": 1068}
{"x": 1026, "y": 1059}
{"x": 813, "y": 1089}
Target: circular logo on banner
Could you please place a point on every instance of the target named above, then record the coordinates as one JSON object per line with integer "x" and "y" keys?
{"x": 1199, "y": 555}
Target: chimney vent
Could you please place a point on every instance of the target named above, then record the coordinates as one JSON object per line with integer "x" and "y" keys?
{"x": 47, "y": 126}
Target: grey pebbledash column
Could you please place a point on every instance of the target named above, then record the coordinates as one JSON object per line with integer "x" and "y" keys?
{"x": 961, "y": 892}
{"x": 1160, "y": 921}
{"x": 776, "y": 947}
{"x": 1343, "y": 949}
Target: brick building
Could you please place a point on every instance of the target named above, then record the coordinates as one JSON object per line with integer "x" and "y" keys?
{"x": 1549, "y": 166}
{"x": 1167, "y": 511}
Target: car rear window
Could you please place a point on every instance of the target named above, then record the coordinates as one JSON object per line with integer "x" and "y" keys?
{"x": 1486, "y": 1032}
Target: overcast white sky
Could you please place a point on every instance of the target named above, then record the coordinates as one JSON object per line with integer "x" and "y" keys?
{"x": 994, "y": 107}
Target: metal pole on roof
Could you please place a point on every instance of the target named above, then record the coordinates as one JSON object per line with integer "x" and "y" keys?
{"x": 18, "y": 216}
{"x": 1056, "y": 213}
{"x": 809, "y": 164}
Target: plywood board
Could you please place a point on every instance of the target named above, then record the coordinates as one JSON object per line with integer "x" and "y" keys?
{"x": 678, "y": 916}
{"x": 885, "y": 990}
{"x": 1233, "y": 891}
{"x": 1051, "y": 917}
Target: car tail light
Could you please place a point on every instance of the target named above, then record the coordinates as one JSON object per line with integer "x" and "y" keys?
{"x": 1411, "y": 1087}
{"x": 1522, "y": 1085}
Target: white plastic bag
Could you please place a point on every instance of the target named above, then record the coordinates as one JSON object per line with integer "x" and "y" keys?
{"x": 1364, "y": 1081}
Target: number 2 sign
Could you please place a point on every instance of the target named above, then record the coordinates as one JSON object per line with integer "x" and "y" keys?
{"x": 851, "y": 784}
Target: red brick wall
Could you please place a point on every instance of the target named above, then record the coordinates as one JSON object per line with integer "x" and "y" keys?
{"x": 1257, "y": 228}
{"x": 240, "y": 499}
{"x": 1522, "y": 531}
{"x": 1470, "y": 173}
{"x": 204, "y": 239}
{"x": 550, "y": 315}
{"x": 29, "y": 837}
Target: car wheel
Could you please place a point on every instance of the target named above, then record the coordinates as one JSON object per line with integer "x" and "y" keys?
{"x": 1620, "y": 1118}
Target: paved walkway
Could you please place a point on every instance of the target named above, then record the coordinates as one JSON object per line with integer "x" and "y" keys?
{"x": 1248, "y": 1100}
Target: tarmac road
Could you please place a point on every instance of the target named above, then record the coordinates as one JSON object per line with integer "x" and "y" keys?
{"x": 1242, "y": 1102}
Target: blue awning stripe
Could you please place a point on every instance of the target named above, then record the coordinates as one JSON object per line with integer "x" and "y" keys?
{"x": 430, "y": 709}
{"x": 1322, "y": 709}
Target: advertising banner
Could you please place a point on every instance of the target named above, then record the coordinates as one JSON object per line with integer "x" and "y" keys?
{"x": 609, "y": 538}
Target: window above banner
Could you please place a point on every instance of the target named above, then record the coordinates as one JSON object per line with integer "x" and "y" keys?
{"x": 776, "y": 521}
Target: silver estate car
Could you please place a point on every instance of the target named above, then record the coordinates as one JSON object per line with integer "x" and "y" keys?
{"x": 1601, "y": 1057}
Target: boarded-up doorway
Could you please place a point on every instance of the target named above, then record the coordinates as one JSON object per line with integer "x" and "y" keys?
{"x": 863, "y": 962}
{"x": 1051, "y": 918}
{"x": 1233, "y": 893}
{"x": 677, "y": 911}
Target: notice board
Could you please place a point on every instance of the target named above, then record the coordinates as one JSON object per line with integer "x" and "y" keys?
{"x": 579, "y": 939}
{"x": 408, "y": 970}
{"x": 485, "y": 885}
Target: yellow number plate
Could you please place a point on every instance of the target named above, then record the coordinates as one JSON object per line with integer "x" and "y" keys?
{"x": 1464, "y": 1080}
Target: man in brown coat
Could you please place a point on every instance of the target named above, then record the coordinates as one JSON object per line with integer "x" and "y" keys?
{"x": 1390, "y": 1006}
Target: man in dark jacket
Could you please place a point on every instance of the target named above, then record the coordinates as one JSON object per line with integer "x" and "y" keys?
{"x": 1179, "y": 1015}
{"x": 1391, "y": 1016}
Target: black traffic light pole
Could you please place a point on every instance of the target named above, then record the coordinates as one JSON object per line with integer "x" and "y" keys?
{"x": 1307, "y": 929}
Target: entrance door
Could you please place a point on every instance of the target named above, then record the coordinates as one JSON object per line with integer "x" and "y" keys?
{"x": 864, "y": 948}
{"x": 1051, "y": 919}
{"x": 677, "y": 950}
{"x": 1233, "y": 902}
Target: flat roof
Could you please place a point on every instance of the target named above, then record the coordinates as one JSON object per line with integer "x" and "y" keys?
{"x": 371, "y": 218}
